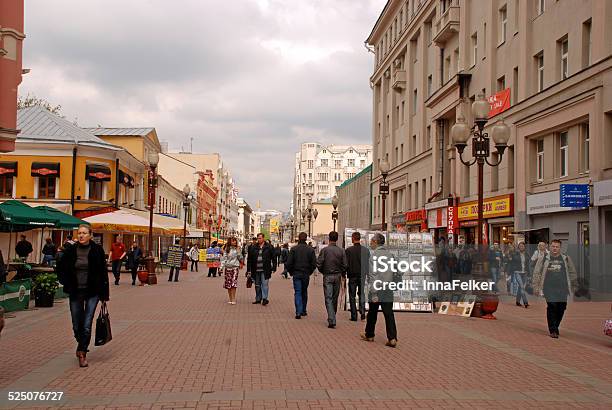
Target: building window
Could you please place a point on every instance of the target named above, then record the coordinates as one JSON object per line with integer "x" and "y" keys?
{"x": 413, "y": 149}
{"x": 362, "y": 163}
{"x": 501, "y": 83}
{"x": 540, "y": 160}
{"x": 323, "y": 176}
{"x": 428, "y": 138}
{"x": 563, "y": 153}
{"x": 515, "y": 85}
{"x": 510, "y": 169}
{"x": 428, "y": 32}
{"x": 403, "y": 114}
{"x": 585, "y": 146}
{"x": 401, "y": 153}
{"x": 324, "y": 163}
{"x": 474, "y": 48}
{"x": 6, "y": 186}
{"x": 416, "y": 194}
{"x": 540, "y": 7}
{"x": 424, "y": 193}
{"x": 46, "y": 186}
{"x": 396, "y": 155}
{"x": 338, "y": 163}
{"x": 96, "y": 190}
{"x": 429, "y": 84}
{"x": 503, "y": 23}
{"x": 540, "y": 73}
{"x": 447, "y": 68}
{"x": 563, "y": 51}
{"x": 351, "y": 162}
{"x": 414, "y": 102}
{"x": 310, "y": 164}
{"x": 586, "y": 43}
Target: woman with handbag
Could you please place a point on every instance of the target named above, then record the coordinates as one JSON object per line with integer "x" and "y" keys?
{"x": 232, "y": 261}
{"x": 82, "y": 271}
{"x": 133, "y": 260}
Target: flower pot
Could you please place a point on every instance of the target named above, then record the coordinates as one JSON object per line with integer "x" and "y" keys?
{"x": 489, "y": 306}
{"x": 143, "y": 276}
{"x": 43, "y": 299}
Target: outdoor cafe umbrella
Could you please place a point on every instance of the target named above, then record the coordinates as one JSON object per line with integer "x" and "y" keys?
{"x": 15, "y": 216}
{"x": 65, "y": 221}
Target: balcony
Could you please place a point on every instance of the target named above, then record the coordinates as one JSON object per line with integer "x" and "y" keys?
{"x": 446, "y": 26}
{"x": 399, "y": 80}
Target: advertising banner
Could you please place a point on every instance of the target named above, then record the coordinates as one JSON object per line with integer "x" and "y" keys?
{"x": 15, "y": 295}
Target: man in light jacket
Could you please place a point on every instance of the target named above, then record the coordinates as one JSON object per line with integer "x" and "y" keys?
{"x": 555, "y": 277}
{"x": 332, "y": 264}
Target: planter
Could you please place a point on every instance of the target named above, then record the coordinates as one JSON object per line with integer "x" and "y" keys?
{"x": 43, "y": 299}
{"x": 489, "y": 306}
{"x": 143, "y": 276}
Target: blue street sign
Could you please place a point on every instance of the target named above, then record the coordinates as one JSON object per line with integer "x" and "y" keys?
{"x": 574, "y": 195}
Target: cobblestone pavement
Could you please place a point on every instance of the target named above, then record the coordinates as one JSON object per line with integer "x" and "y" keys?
{"x": 179, "y": 345}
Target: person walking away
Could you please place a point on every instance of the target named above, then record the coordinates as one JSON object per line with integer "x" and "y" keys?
{"x": 212, "y": 257}
{"x": 133, "y": 260}
{"x": 49, "y": 251}
{"x": 277, "y": 254}
{"x": 358, "y": 258}
{"x": 82, "y": 271}
{"x": 283, "y": 259}
{"x": 23, "y": 248}
{"x": 260, "y": 265}
{"x": 518, "y": 265}
{"x": 231, "y": 262}
{"x": 332, "y": 264}
{"x": 379, "y": 299}
{"x": 555, "y": 278}
{"x": 495, "y": 257}
{"x": 117, "y": 254}
{"x": 194, "y": 255}
{"x": 301, "y": 263}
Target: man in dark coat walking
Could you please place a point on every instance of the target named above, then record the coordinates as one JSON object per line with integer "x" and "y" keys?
{"x": 300, "y": 264}
{"x": 358, "y": 258}
{"x": 261, "y": 262}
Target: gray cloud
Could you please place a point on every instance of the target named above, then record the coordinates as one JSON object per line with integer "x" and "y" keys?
{"x": 248, "y": 79}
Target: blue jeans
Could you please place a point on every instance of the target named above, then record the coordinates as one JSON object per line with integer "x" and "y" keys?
{"x": 520, "y": 292}
{"x": 494, "y": 277}
{"x": 261, "y": 287}
{"x": 47, "y": 259}
{"x": 82, "y": 310}
{"x": 331, "y": 290}
{"x": 300, "y": 286}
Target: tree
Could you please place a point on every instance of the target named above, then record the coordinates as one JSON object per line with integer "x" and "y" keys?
{"x": 32, "y": 100}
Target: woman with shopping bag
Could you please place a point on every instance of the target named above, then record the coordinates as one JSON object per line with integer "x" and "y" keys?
{"x": 82, "y": 270}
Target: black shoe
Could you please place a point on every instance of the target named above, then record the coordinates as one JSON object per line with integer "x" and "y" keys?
{"x": 363, "y": 316}
{"x": 518, "y": 304}
{"x": 176, "y": 280}
{"x": 298, "y": 316}
{"x": 133, "y": 283}
{"x": 257, "y": 302}
{"x": 265, "y": 302}
{"x": 526, "y": 305}
{"x": 305, "y": 314}
{"x": 353, "y": 319}
{"x": 331, "y": 326}
{"x": 117, "y": 282}
{"x": 554, "y": 335}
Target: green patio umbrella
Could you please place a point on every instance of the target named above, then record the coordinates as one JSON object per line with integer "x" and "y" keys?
{"x": 65, "y": 221}
{"x": 15, "y": 216}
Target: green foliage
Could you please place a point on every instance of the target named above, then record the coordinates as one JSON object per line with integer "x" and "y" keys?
{"x": 32, "y": 100}
{"x": 266, "y": 233}
{"x": 45, "y": 283}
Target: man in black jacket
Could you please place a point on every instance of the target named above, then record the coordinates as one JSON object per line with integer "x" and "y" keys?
{"x": 300, "y": 264}
{"x": 261, "y": 262}
{"x": 358, "y": 258}
{"x": 23, "y": 249}
{"x": 332, "y": 264}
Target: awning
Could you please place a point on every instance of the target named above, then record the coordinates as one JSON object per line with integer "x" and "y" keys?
{"x": 98, "y": 173}
{"x": 43, "y": 169}
{"x": 17, "y": 216}
{"x": 126, "y": 179}
{"x": 123, "y": 221}
{"x": 172, "y": 226}
{"x": 8, "y": 168}
{"x": 65, "y": 221}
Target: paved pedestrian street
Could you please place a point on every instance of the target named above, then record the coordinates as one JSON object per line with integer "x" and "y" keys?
{"x": 180, "y": 345}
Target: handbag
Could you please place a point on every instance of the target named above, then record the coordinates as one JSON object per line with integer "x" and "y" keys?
{"x": 103, "y": 327}
{"x": 607, "y": 328}
{"x": 249, "y": 283}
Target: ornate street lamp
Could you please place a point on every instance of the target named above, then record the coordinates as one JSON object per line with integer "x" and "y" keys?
{"x": 384, "y": 190}
{"x": 460, "y": 133}
{"x": 153, "y": 160}
{"x": 186, "y": 204}
{"x": 292, "y": 225}
{"x": 335, "y": 211}
{"x": 209, "y": 223}
{"x": 310, "y": 215}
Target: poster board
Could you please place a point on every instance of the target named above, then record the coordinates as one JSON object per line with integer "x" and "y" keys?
{"x": 175, "y": 256}
{"x": 15, "y": 295}
{"x": 459, "y": 305}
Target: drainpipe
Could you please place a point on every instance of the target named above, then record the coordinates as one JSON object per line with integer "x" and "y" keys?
{"x": 117, "y": 183}
{"x": 441, "y": 160}
{"x": 74, "y": 155}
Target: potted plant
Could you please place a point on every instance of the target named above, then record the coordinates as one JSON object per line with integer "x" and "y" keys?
{"x": 44, "y": 286}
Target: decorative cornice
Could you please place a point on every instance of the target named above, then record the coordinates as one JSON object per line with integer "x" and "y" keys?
{"x": 12, "y": 32}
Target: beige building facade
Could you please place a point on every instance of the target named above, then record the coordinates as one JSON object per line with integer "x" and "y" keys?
{"x": 354, "y": 201}
{"x": 553, "y": 58}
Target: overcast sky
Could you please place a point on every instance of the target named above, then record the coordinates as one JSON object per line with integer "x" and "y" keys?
{"x": 250, "y": 79}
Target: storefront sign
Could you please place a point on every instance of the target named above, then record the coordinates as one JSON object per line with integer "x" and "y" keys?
{"x": 499, "y": 102}
{"x": 453, "y": 222}
{"x": 574, "y": 195}
{"x": 415, "y": 217}
{"x": 443, "y": 203}
{"x": 546, "y": 202}
{"x": 492, "y": 208}
{"x": 436, "y": 218}
{"x": 602, "y": 193}
{"x": 398, "y": 220}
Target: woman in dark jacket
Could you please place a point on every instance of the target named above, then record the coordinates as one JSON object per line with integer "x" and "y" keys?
{"x": 82, "y": 270}
{"x": 133, "y": 260}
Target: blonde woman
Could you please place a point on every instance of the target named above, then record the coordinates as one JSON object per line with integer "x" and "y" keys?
{"x": 231, "y": 262}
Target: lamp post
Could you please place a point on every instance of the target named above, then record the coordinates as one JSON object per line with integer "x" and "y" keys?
{"x": 460, "y": 133}
{"x": 310, "y": 214}
{"x": 292, "y": 226}
{"x": 152, "y": 181}
{"x": 209, "y": 223}
{"x": 186, "y": 204}
{"x": 335, "y": 211}
{"x": 384, "y": 190}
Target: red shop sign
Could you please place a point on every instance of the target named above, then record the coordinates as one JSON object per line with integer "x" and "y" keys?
{"x": 416, "y": 217}
{"x": 499, "y": 102}
{"x": 452, "y": 219}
